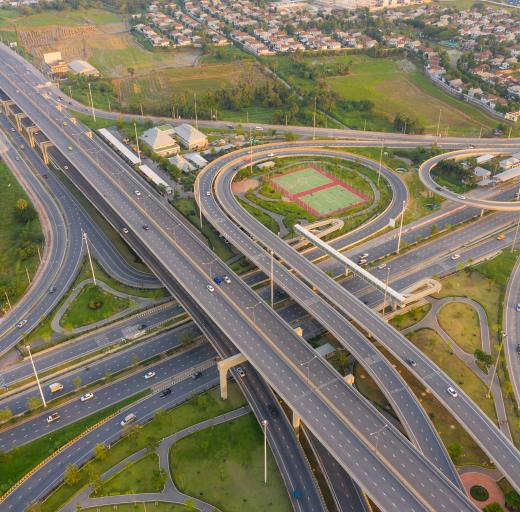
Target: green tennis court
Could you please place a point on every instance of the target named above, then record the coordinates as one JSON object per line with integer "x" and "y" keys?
{"x": 331, "y": 199}
{"x": 301, "y": 180}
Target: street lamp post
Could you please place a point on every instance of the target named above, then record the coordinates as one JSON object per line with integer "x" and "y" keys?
{"x": 503, "y": 340}
{"x": 36, "y": 375}
{"x": 91, "y": 102}
{"x": 272, "y": 279}
{"x": 400, "y": 228}
{"x": 380, "y": 161}
{"x": 252, "y": 308}
{"x": 386, "y": 290}
{"x": 516, "y": 234}
{"x": 308, "y": 365}
{"x": 264, "y": 424}
{"x": 376, "y": 434}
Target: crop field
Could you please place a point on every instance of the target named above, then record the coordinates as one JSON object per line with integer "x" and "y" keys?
{"x": 317, "y": 191}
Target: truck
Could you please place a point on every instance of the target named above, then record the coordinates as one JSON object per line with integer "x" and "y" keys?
{"x": 55, "y": 386}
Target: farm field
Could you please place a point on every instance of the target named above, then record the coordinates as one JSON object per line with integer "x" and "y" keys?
{"x": 394, "y": 86}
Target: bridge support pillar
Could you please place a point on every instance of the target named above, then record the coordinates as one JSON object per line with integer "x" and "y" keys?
{"x": 44, "y": 148}
{"x": 482, "y": 212}
{"x": 298, "y": 331}
{"x": 223, "y": 366}
{"x": 346, "y": 271}
{"x": 31, "y": 131}
{"x": 296, "y": 422}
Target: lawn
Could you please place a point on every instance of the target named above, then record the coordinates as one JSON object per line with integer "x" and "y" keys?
{"x": 18, "y": 462}
{"x": 301, "y": 180}
{"x": 410, "y": 318}
{"x": 142, "y": 507}
{"x": 224, "y": 466}
{"x": 19, "y": 239}
{"x": 137, "y": 477}
{"x": 164, "y": 423}
{"x": 461, "y": 323}
{"x": 433, "y": 346}
{"x": 93, "y": 304}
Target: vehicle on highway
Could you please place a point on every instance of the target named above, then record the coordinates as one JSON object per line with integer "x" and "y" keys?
{"x": 128, "y": 419}
{"x": 165, "y": 392}
{"x": 13, "y": 130}
{"x": 259, "y": 128}
{"x": 226, "y": 279}
{"x": 53, "y": 417}
{"x": 196, "y": 375}
{"x": 217, "y": 279}
{"x": 501, "y": 236}
{"x": 382, "y": 266}
{"x": 230, "y": 126}
{"x": 137, "y": 193}
{"x": 125, "y": 230}
{"x": 149, "y": 375}
{"x": 364, "y": 256}
{"x": 518, "y": 307}
{"x": 22, "y": 146}
{"x": 453, "y": 392}
{"x": 411, "y": 362}
{"x": 270, "y": 155}
{"x": 518, "y": 348}
{"x": 55, "y": 387}
{"x": 87, "y": 396}
{"x": 146, "y": 227}
{"x": 362, "y": 261}
{"x": 17, "y": 158}
{"x": 273, "y": 411}
{"x": 438, "y": 188}
{"x": 210, "y": 288}
{"x": 65, "y": 123}
{"x": 69, "y": 148}
{"x": 240, "y": 372}
{"x": 52, "y": 289}
{"x": 21, "y": 323}
{"x": 455, "y": 256}
{"x": 208, "y": 193}
{"x": 461, "y": 197}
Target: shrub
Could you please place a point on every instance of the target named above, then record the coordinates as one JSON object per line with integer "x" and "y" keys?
{"x": 479, "y": 493}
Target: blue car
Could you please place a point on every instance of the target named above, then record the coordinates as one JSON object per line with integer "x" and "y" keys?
{"x": 217, "y": 279}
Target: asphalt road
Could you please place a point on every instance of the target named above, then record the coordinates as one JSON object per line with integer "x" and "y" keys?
{"x": 288, "y": 378}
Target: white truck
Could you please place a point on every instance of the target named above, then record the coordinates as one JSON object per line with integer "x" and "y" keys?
{"x": 55, "y": 386}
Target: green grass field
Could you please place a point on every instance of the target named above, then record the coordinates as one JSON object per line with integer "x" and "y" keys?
{"x": 331, "y": 199}
{"x": 302, "y": 180}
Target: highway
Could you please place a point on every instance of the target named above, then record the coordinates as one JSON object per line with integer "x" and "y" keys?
{"x": 223, "y": 308}
{"x": 220, "y": 174}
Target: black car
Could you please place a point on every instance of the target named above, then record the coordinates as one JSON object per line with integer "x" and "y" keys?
{"x": 196, "y": 375}
{"x": 273, "y": 411}
{"x": 165, "y": 392}
{"x": 146, "y": 227}
{"x": 411, "y": 362}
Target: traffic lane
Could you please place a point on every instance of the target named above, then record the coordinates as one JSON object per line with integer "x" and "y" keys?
{"x": 110, "y": 394}
{"x": 512, "y": 329}
{"x": 89, "y": 343}
{"x": 44, "y": 480}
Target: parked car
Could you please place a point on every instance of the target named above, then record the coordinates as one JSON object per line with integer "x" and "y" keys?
{"x": 87, "y": 396}
{"x": 149, "y": 375}
{"x": 453, "y": 392}
{"x": 53, "y": 417}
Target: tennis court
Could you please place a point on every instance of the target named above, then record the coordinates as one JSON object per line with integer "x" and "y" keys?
{"x": 300, "y": 180}
{"x": 331, "y": 199}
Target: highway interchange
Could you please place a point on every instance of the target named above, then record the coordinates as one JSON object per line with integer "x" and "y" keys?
{"x": 181, "y": 243}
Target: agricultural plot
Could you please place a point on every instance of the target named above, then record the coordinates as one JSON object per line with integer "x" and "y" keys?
{"x": 317, "y": 191}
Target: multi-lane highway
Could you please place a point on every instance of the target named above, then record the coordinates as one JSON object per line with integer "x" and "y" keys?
{"x": 275, "y": 342}
{"x": 511, "y": 326}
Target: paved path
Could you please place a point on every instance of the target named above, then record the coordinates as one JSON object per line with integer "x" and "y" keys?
{"x": 275, "y": 216}
{"x": 140, "y": 303}
{"x": 170, "y": 493}
{"x": 430, "y": 321}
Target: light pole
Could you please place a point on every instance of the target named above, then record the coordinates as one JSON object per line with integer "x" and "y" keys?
{"x": 380, "y": 162}
{"x": 137, "y": 144}
{"x": 376, "y": 434}
{"x": 252, "y": 308}
{"x": 516, "y": 234}
{"x": 401, "y": 228}
{"x": 272, "y": 279}
{"x": 502, "y": 341}
{"x": 386, "y": 290}
{"x": 210, "y": 263}
{"x": 250, "y": 151}
{"x": 308, "y": 365}
{"x": 85, "y": 239}
{"x": 28, "y": 347}
{"x": 314, "y": 121}
{"x": 264, "y": 424}
{"x": 439, "y": 122}
{"x": 91, "y": 102}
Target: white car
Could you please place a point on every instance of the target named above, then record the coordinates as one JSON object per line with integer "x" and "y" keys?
{"x": 21, "y": 323}
{"x": 149, "y": 375}
{"x": 226, "y": 279}
{"x": 87, "y": 396}
{"x": 270, "y": 155}
{"x": 453, "y": 392}
{"x": 241, "y": 372}
{"x": 518, "y": 307}
{"x": 462, "y": 197}
{"x": 125, "y": 230}
{"x": 455, "y": 256}
{"x": 382, "y": 266}
{"x": 208, "y": 193}
{"x": 137, "y": 193}
{"x": 210, "y": 288}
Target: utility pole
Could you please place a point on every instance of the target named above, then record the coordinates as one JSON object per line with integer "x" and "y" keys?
{"x": 91, "y": 102}
{"x": 314, "y": 121}
{"x": 85, "y": 238}
{"x": 386, "y": 290}
{"x": 401, "y": 228}
{"x": 137, "y": 143}
{"x": 250, "y": 151}
{"x": 509, "y": 134}
{"x": 439, "y": 122}
{"x": 8, "y": 301}
{"x": 36, "y": 375}
{"x": 196, "y": 118}
{"x": 28, "y": 276}
{"x": 264, "y": 424}
{"x": 70, "y": 91}
{"x": 39, "y": 253}
{"x": 200, "y": 204}
{"x": 272, "y": 279}
{"x": 504, "y": 337}
{"x": 109, "y": 107}
{"x": 516, "y": 234}
{"x": 380, "y": 161}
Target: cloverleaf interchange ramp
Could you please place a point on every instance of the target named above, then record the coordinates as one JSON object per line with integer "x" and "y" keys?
{"x": 340, "y": 418}
{"x": 220, "y": 174}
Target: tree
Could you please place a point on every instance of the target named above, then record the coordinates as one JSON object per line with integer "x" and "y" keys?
{"x": 493, "y": 507}
{"x": 100, "y": 451}
{"x": 513, "y": 501}
{"x": 483, "y": 357}
{"x": 34, "y": 402}
{"x": 455, "y": 451}
{"x": 131, "y": 71}
{"x": 190, "y": 505}
{"x": 77, "y": 383}
{"x": 133, "y": 431}
{"x": 135, "y": 359}
{"x": 21, "y": 204}
{"x": 72, "y": 475}
{"x": 5, "y": 414}
{"x": 152, "y": 443}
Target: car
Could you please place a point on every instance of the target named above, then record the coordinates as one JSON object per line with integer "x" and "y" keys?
{"x": 411, "y": 362}
{"x": 196, "y": 375}
{"x": 461, "y": 197}
{"x": 165, "y": 392}
{"x": 518, "y": 348}
{"x": 518, "y": 307}
{"x": 240, "y": 372}
{"x": 128, "y": 419}
{"x": 125, "y": 230}
{"x": 66, "y": 167}
{"x": 208, "y": 193}
{"x": 226, "y": 279}
{"x": 137, "y": 193}
{"x": 87, "y": 396}
{"x": 230, "y": 126}
{"x": 270, "y": 155}
{"x": 17, "y": 158}
{"x": 22, "y": 146}
{"x": 362, "y": 261}
{"x": 146, "y": 227}
{"x": 217, "y": 279}
{"x": 21, "y": 323}
{"x": 13, "y": 130}
{"x": 273, "y": 411}
{"x": 149, "y": 375}
{"x": 453, "y": 392}
{"x": 438, "y": 188}
{"x": 210, "y": 288}
{"x": 501, "y": 236}
{"x": 455, "y": 256}
{"x": 53, "y": 417}
{"x": 382, "y": 266}
{"x": 69, "y": 148}
{"x": 144, "y": 326}
{"x": 52, "y": 289}
{"x": 364, "y": 255}
{"x": 471, "y": 146}
{"x": 259, "y": 128}
{"x": 65, "y": 123}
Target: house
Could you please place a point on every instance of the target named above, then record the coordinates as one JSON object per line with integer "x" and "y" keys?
{"x": 509, "y": 163}
{"x": 481, "y": 173}
{"x": 196, "y": 159}
{"x": 190, "y": 137}
{"x": 81, "y": 67}
{"x": 160, "y": 141}
{"x": 181, "y": 163}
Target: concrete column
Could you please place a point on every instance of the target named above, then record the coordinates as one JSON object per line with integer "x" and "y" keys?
{"x": 298, "y": 331}
{"x": 296, "y": 422}
{"x": 223, "y": 366}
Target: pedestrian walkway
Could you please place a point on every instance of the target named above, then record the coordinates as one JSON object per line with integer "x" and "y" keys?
{"x": 170, "y": 493}
{"x": 140, "y": 303}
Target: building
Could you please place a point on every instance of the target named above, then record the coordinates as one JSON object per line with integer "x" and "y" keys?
{"x": 160, "y": 141}
{"x": 481, "y": 173}
{"x": 54, "y": 64}
{"x": 81, "y": 67}
{"x": 191, "y": 138}
{"x": 181, "y": 163}
{"x": 510, "y": 162}
{"x": 510, "y": 174}
{"x": 196, "y": 159}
